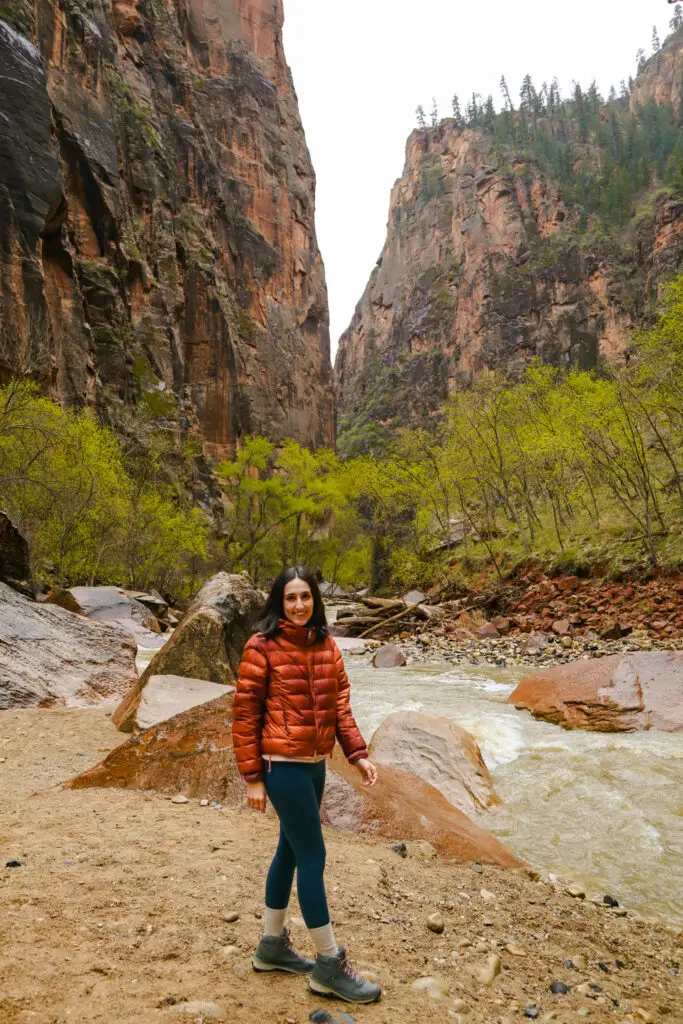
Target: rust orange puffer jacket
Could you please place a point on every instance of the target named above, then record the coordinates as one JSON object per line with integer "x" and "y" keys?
{"x": 292, "y": 701}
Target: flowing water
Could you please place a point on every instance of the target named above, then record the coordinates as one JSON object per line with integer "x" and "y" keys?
{"x": 604, "y": 809}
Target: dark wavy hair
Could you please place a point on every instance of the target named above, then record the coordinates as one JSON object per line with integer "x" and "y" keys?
{"x": 269, "y": 625}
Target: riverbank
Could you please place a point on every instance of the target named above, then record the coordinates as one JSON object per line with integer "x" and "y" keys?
{"x": 117, "y": 913}
{"x": 534, "y": 650}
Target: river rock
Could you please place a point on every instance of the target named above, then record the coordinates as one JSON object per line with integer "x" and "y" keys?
{"x": 439, "y": 751}
{"x": 389, "y": 656}
{"x": 435, "y": 923}
{"x": 113, "y": 605}
{"x": 190, "y": 754}
{"x": 403, "y": 806}
{"x": 208, "y": 643}
{"x": 14, "y": 557}
{"x": 414, "y": 597}
{"x": 488, "y": 974}
{"x": 487, "y": 631}
{"x": 618, "y": 693}
{"x": 166, "y": 696}
{"x": 50, "y": 657}
{"x": 534, "y": 644}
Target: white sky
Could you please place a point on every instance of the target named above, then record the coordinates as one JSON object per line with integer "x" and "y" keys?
{"x": 361, "y": 67}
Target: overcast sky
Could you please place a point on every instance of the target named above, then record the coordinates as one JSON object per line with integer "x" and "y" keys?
{"x": 361, "y": 67}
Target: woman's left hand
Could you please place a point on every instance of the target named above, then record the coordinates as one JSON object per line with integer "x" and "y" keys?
{"x": 367, "y": 770}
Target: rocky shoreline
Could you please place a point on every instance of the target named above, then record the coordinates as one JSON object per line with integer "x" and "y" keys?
{"x": 509, "y": 651}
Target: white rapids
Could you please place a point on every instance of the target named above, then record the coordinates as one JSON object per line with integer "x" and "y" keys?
{"x": 603, "y": 809}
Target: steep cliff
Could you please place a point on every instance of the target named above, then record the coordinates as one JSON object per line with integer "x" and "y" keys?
{"x": 508, "y": 239}
{"x": 157, "y": 240}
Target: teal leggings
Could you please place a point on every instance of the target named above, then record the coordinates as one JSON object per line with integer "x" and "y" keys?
{"x": 296, "y": 791}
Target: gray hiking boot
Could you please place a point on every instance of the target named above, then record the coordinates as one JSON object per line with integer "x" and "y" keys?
{"x": 334, "y": 976}
{"x": 276, "y": 953}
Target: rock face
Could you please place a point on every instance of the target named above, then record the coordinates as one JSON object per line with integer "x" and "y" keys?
{"x": 110, "y": 604}
{"x": 192, "y": 754}
{"x": 486, "y": 265}
{"x": 402, "y": 807}
{"x": 208, "y": 643}
{"x": 14, "y": 558}
{"x": 157, "y": 240}
{"x": 662, "y": 78}
{"x": 620, "y": 693}
{"x": 50, "y": 657}
{"x": 439, "y": 751}
{"x": 165, "y": 697}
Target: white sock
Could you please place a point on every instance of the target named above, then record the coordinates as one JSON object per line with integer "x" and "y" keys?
{"x": 324, "y": 940}
{"x": 274, "y": 921}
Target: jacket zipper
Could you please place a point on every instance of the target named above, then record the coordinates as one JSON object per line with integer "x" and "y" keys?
{"x": 315, "y": 713}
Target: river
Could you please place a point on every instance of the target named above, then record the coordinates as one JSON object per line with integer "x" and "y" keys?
{"x": 604, "y": 809}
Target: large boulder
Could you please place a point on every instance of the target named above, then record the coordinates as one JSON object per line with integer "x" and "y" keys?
{"x": 620, "y": 693}
{"x": 112, "y": 605}
{"x": 166, "y": 696}
{"x": 439, "y": 751}
{"x": 51, "y": 657}
{"x": 207, "y": 644}
{"x": 403, "y": 807}
{"x": 14, "y": 560}
{"x": 192, "y": 754}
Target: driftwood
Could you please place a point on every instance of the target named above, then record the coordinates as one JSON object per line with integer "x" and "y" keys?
{"x": 392, "y": 618}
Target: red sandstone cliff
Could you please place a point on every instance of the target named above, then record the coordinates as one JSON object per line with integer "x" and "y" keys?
{"x": 488, "y": 264}
{"x": 157, "y": 240}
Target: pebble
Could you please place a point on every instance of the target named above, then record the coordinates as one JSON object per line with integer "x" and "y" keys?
{"x": 464, "y": 943}
{"x": 488, "y": 974}
{"x": 487, "y": 895}
{"x": 435, "y": 988}
{"x": 481, "y": 947}
{"x": 610, "y": 901}
{"x": 643, "y": 1014}
{"x": 435, "y": 923}
{"x": 577, "y": 891}
{"x": 531, "y": 1011}
{"x": 231, "y": 916}
{"x": 230, "y": 950}
{"x": 460, "y": 1006}
{"x": 13, "y": 864}
{"x": 514, "y": 950}
{"x": 478, "y": 868}
{"x": 578, "y": 962}
{"x": 400, "y": 848}
{"x": 203, "y": 803}
{"x": 558, "y": 988}
{"x": 179, "y": 799}
{"x": 619, "y": 911}
{"x": 487, "y": 922}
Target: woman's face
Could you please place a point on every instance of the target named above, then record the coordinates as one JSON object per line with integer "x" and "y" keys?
{"x": 298, "y": 602}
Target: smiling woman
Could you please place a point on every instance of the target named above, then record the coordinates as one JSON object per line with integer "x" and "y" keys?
{"x": 292, "y": 704}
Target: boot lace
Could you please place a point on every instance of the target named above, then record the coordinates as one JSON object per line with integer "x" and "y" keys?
{"x": 346, "y": 966}
{"x": 287, "y": 941}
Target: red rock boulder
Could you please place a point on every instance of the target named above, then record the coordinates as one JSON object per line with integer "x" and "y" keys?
{"x": 620, "y": 693}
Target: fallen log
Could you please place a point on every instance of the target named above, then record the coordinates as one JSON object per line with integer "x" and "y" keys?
{"x": 409, "y": 609}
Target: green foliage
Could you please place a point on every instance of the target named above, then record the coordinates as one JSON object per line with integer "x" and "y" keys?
{"x": 288, "y": 505}
{"x": 89, "y": 510}
{"x": 570, "y": 469}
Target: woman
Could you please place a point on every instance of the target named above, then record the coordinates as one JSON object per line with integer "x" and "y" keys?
{"x": 292, "y": 703}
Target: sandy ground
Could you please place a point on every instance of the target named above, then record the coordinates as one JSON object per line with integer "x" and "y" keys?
{"x": 117, "y": 913}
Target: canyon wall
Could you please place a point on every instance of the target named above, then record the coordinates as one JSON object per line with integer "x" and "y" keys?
{"x": 157, "y": 239}
{"x": 486, "y": 264}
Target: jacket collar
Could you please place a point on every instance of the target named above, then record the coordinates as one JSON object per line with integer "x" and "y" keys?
{"x": 300, "y": 636}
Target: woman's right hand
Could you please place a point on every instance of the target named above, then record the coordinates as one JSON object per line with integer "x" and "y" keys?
{"x": 256, "y": 796}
